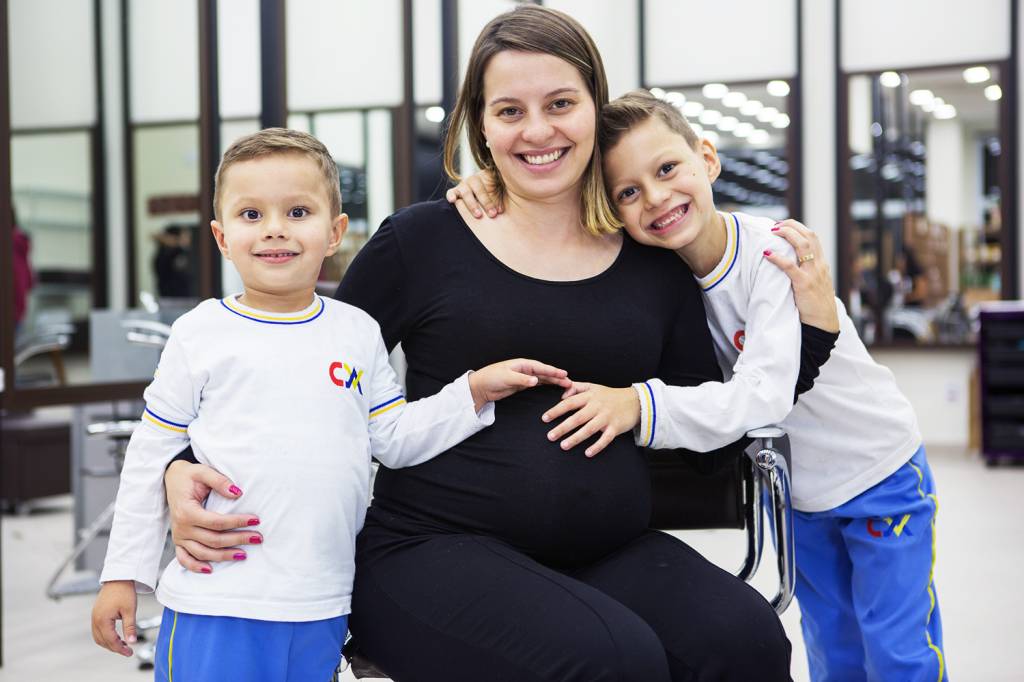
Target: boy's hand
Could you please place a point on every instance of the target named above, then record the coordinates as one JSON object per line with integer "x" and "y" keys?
{"x": 477, "y": 193}
{"x": 116, "y": 601}
{"x": 502, "y": 379}
{"x": 598, "y": 408}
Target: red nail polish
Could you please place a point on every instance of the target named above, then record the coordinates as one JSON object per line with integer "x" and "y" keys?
{"x": 235, "y": 490}
{"x": 767, "y": 252}
{"x": 206, "y": 569}
{"x": 254, "y": 522}
{"x": 775, "y": 229}
{"x": 238, "y": 556}
{"x": 255, "y": 540}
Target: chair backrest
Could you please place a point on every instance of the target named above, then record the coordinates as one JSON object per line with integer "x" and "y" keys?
{"x": 692, "y": 490}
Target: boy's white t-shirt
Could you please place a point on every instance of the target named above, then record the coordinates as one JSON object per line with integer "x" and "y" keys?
{"x": 290, "y": 407}
{"x": 849, "y": 432}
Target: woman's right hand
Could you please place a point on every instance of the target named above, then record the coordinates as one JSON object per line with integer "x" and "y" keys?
{"x": 202, "y": 536}
{"x": 477, "y": 193}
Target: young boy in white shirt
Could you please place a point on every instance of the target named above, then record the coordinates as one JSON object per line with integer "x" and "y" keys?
{"x": 862, "y": 489}
{"x": 289, "y": 394}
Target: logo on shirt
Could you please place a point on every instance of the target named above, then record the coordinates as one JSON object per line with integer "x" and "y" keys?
{"x": 738, "y": 338}
{"x": 346, "y": 377}
{"x": 885, "y": 527}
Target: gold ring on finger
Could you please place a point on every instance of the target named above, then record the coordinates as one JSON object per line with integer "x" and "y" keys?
{"x": 806, "y": 257}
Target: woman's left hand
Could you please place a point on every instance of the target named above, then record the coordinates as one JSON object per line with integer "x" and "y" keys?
{"x": 813, "y": 291}
{"x": 611, "y": 411}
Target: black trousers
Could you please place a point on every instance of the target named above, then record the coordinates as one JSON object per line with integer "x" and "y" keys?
{"x": 452, "y": 608}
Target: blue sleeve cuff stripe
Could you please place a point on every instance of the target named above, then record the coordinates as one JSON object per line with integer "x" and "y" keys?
{"x": 165, "y": 421}
{"x": 654, "y": 414}
{"x": 385, "y": 404}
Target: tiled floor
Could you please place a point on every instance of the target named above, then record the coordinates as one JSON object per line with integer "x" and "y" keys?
{"x": 980, "y": 548}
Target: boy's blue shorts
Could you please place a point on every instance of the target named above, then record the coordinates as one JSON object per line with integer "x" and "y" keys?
{"x": 194, "y": 648}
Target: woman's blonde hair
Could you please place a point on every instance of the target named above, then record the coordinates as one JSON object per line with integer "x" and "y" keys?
{"x": 531, "y": 28}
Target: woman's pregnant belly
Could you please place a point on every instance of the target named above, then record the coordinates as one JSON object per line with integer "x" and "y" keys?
{"x": 510, "y": 482}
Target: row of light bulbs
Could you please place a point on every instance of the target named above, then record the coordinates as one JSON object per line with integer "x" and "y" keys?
{"x": 733, "y": 100}
{"x": 937, "y": 106}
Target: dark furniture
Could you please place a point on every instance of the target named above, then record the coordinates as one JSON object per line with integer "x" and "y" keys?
{"x": 1001, "y": 367}
{"x": 35, "y": 458}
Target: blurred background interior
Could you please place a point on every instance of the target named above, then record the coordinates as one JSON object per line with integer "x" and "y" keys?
{"x": 892, "y": 129}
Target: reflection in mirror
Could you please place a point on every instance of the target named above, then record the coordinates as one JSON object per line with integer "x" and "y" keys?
{"x": 748, "y": 124}
{"x": 51, "y": 180}
{"x": 428, "y": 153}
{"x": 166, "y": 210}
{"x": 925, "y": 214}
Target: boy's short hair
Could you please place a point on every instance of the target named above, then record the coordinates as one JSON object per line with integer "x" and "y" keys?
{"x": 621, "y": 115}
{"x": 280, "y": 141}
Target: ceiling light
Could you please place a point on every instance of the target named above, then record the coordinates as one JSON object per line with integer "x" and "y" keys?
{"x": 890, "y": 79}
{"x": 676, "y": 98}
{"x": 781, "y": 121}
{"x": 751, "y": 107}
{"x": 658, "y": 92}
{"x": 712, "y": 137}
{"x": 921, "y": 97}
{"x": 743, "y": 129}
{"x": 692, "y": 109}
{"x": 933, "y": 105}
{"x": 759, "y": 136}
{"x": 734, "y": 99}
{"x": 993, "y": 93}
{"x": 434, "y": 114}
{"x": 710, "y": 117}
{"x": 728, "y": 123}
{"x": 767, "y": 115}
{"x": 715, "y": 90}
{"x": 946, "y": 111}
{"x": 977, "y": 74}
{"x": 778, "y": 88}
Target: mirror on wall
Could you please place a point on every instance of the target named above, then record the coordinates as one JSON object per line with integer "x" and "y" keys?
{"x": 748, "y": 123}
{"x": 52, "y": 193}
{"x": 924, "y": 225}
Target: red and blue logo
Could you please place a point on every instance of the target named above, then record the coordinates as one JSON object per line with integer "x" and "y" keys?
{"x": 346, "y": 377}
{"x": 887, "y": 527}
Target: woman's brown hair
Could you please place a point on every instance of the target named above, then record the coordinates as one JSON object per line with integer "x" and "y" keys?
{"x": 531, "y": 28}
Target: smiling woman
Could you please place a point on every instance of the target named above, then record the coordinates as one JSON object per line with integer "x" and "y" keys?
{"x": 508, "y": 557}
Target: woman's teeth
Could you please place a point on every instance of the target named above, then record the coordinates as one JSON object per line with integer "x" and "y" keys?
{"x": 545, "y": 158}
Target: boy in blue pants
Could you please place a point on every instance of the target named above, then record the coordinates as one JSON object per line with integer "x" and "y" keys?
{"x": 290, "y": 394}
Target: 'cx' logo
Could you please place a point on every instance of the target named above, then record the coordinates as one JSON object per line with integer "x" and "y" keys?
{"x": 890, "y": 529}
{"x": 352, "y": 381}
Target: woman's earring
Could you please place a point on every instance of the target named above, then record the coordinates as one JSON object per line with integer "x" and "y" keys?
{"x": 487, "y": 143}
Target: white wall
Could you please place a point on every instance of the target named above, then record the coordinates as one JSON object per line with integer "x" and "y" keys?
{"x": 882, "y": 34}
{"x": 52, "y": 63}
{"x": 707, "y": 40}
{"x": 238, "y": 52}
{"x": 426, "y": 45}
{"x": 944, "y": 192}
{"x": 937, "y": 384}
{"x": 343, "y": 53}
{"x": 163, "y": 53}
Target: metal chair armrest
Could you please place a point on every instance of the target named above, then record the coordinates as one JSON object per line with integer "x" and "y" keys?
{"x": 771, "y": 464}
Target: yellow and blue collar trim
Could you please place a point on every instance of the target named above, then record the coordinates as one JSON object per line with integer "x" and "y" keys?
{"x": 732, "y": 254}
{"x": 308, "y": 315}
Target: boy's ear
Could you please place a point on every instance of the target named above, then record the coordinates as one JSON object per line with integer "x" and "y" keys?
{"x": 711, "y": 160}
{"x": 218, "y": 235}
{"x": 338, "y": 228}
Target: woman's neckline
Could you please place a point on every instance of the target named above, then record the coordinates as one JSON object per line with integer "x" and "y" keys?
{"x": 505, "y": 266}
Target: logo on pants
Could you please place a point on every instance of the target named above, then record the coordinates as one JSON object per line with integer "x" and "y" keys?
{"x": 886, "y": 527}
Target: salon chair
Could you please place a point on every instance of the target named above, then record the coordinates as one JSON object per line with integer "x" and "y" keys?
{"x": 729, "y": 488}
